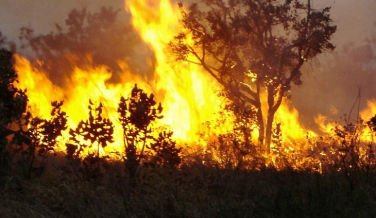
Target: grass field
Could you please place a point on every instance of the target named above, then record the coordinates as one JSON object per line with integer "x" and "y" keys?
{"x": 196, "y": 190}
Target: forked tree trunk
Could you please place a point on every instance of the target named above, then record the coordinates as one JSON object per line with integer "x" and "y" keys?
{"x": 265, "y": 132}
{"x": 273, "y": 105}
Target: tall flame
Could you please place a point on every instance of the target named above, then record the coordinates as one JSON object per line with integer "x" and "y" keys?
{"x": 187, "y": 93}
{"x": 191, "y": 93}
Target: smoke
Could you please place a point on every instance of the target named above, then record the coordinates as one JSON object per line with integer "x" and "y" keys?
{"x": 42, "y": 15}
{"x": 80, "y": 29}
{"x": 333, "y": 82}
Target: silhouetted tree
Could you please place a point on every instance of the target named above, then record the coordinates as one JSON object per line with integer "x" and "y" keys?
{"x": 13, "y": 103}
{"x": 165, "y": 151}
{"x": 96, "y": 130}
{"x": 137, "y": 114}
{"x": 254, "y": 49}
{"x": 43, "y": 136}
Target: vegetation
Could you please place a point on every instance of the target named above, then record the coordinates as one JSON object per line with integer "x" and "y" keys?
{"x": 153, "y": 180}
{"x": 153, "y": 176}
{"x": 13, "y": 103}
{"x": 137, "y": 114}
{"x": 40, "y": 139}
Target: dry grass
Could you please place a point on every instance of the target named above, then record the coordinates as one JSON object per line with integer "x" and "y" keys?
{"x": 191, "y": 191}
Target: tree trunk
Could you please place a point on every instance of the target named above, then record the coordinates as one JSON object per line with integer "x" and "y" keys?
{"x": 268, "y": 130}
{"x": 260, "y": 121}
{"x": 272, "y": 108}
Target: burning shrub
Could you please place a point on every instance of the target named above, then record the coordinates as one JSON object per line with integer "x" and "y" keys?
{"x": 349, "y": 150}
{"x": 166, "y": 153}
{"x": 236, "y": 148}
{"x": 137, "y": 114}
{"x": 97, "y": 130}
{"x": 42, "y": 137}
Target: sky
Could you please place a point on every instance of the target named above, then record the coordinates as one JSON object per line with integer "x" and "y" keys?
{"x": 352, "y": 17}
{"x": 330, "y": 83}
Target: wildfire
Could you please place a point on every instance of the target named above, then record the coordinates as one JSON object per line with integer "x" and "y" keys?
{"x": 188, "y": 94}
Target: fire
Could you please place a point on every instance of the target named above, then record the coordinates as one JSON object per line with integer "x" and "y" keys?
{"x": 369, "y": 111}
{"x": 188, "y": 94}
{"x": 289, "y": 119}
{"x": 366, "y": 114}
{"x": 324, "y": 124}
{"x": 40, "y": 96}
{"x": 191, "y": 93}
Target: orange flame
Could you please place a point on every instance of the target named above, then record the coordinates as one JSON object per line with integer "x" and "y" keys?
{"x": 188, "y": 94}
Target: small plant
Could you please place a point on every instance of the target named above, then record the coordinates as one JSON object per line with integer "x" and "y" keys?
{"x": 43, "y": 136}
{"x": 165, "y": 151}
{"x": 137, "y": 115}
{"x": 235, "y": 149}
{"x": 94, "y": 131}
{"x": 354, "y": 153}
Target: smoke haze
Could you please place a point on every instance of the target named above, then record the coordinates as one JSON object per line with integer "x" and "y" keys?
{"x": 332, "y": 82}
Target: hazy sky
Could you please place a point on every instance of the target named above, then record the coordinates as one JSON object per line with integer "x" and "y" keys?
{"x": 42, "y": 15}
{"x": 355, "y": 18}
{"x": 333, "y": 84}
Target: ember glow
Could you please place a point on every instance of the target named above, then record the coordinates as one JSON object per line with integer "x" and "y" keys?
{"x": 188, "y": 95}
